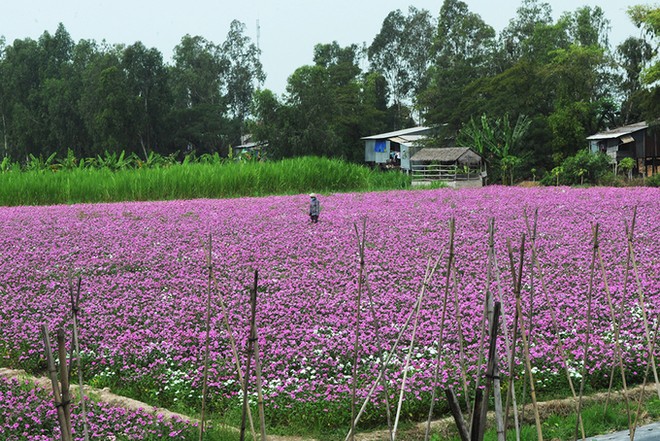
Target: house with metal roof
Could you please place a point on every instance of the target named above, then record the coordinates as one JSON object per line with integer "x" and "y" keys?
{"x": 394, "y": 148}
{"x": 635, "y": 141}
{"x": 458, "y": 167}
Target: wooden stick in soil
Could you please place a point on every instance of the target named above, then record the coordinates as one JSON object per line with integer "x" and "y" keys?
{"x": 587, "y": 337}
{"x": 511, "y": 395}
{"x": 622, "y": 304}
{"x": 209, "y": 267}
{"x": 646, "y": 377}
{"x": 642, "y": 305}
{"x": 234, "y": 350}
{"x": 380, "y": 349}
{"x": 64, "y": 380}
{"x": 455, "y": 410}
{"x": 75, "y": 308}
{"x": 248, "y": 363}
{"x": 461, "y": 342}
{"x": 523, "y": 334}
{"x": 427, "y": 277}
{"x": 530, "y": 332}
{"x": 387, "y": 361}
{"x": 257, "y": 362}
{"x": 436, "y": 371}
{"x": 52, "y": 373}
{"x": 555, "y": 325}
{"x": 617, "y": 346}
{"x": 358, "y": 308}
{"x": 490, "y": 373}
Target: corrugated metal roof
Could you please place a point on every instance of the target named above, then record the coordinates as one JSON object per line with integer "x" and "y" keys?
{"x": 447, "y": 154}
{"x": 408, "y": 139}
{"x": 619, "y": 131}
{"x": 421, "y": 130}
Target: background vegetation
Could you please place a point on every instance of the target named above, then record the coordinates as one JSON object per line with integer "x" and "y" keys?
{"x": 112, "y": 178}
{"x": 560, "y": 79}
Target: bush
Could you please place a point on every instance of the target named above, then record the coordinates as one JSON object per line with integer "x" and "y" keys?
{"x": 653, "y": 181}
{"x": 583, "y": 168}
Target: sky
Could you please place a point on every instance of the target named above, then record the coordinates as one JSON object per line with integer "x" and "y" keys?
{"x": 287, "y": 29}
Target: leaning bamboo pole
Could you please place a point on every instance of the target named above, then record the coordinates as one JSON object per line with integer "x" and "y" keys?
{"x": 234, "y": 349}
{"x": 254, "y": 337}
{"x": 57, "y": 397}
{"x": 358, "y": 307}
{"x": 386, "y": 361}
{"x": 642, "y": 305}
{"x": 646, "y": 376}
{"x": 427, "y": 276}
{"x": 436, "y": 371}
{"x": 588, "y": 329}
{"x": 461, "y": 339}
{"x": 555, "y": 324}
{"x": 64, "y": 380}
{"x": 617, "y": 345}
{"x": 523, "y": 334}
{"x": 209, "y": 267}
{"x": 75, "y": 309}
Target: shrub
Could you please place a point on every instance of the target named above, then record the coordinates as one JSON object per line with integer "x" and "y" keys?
{"x": 653, "y": 181}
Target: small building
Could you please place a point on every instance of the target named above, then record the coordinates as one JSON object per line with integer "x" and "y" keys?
{"x": 458, "y": 167}
{"x": 394, "y": 148}
{"x": 632, "y": 141}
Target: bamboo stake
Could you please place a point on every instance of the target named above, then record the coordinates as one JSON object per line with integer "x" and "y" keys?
{"x": 64, "y": 380}
{"x": 490, "y": 374}
{"x": 646, "y": 376}
{"x": 516, "y": 316}
{"x": 523, "y": 334}
{"x": 357, "y": 323}
{"x": 622, "y": 304}
{"x": 461, "y": 344}
{"x": 234, "y": 350}
{"x": 555, "y": 325}
{"x": 455, "y": 410}
{"x": 386, "y": 361}
{"x": 380, "y": 349}
{"x": 250, "y": 350}
{"x": 532, "y": 235}
{"x": 52, "y": 373}
{"x": 409, "y": 355}
{"x": 642, "y": 304}
{"x": 257, "y": 363}
{"x": 588, "y": 330}
{"x": 75, "y": 308}
{"x": 509, "y": 345}
{"x": 436, "y": 372}
{"x": 209, "y": 266}
{"x": 617, "y": 346}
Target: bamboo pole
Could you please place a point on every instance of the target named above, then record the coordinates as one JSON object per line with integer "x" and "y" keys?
{"x": 52, "y": 373}
{"x": 386, "y": 361}
{"x": 427, "y": 277}
{"x": 436, "y": 372}
{"x": 588, "y": 330}
{"x": 461, "y": 343}
{"x": 491, "y": 371}
{"x": 234, "y": 349}
{"x": 623, "y": 303}
{"x": 455, "y": 410}
{"x": 530, "y": 332}
{"x": 64, "y": 380}
{"x": 642, "y": 305}
{"x": 75, "y": 308}
{"x": 646, "y": 376}
{"x": 357, "y": 323}
{"x": 509, "y": 345}
{"x": 257, "y": 363}
{"x": 248, "y": 363}
{"x": 523, "y": 334}
{"x": 617, "y": 346}
{"x": 209, "y": 267}
{"x": 380, "y": 349}
{"x": 555, "y": 324}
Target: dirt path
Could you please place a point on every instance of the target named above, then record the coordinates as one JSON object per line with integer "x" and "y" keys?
{"x": 442, "y": 426}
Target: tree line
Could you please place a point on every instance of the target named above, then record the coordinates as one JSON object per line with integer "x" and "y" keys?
{"x": 560, "y": 79}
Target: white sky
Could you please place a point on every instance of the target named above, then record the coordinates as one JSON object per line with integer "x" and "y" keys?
{"x": 289, "y": 29}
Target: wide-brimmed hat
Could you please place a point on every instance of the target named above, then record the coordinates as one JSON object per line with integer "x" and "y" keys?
{"x": 312, "y": 195}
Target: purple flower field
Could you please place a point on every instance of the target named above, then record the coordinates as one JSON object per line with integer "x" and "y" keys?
{"x": 144, "y": 285}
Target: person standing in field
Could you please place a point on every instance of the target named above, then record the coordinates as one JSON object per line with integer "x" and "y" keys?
{"x": 314, "y": 208}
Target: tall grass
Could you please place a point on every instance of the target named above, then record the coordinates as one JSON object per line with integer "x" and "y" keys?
{"x": 193, "y": 180}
